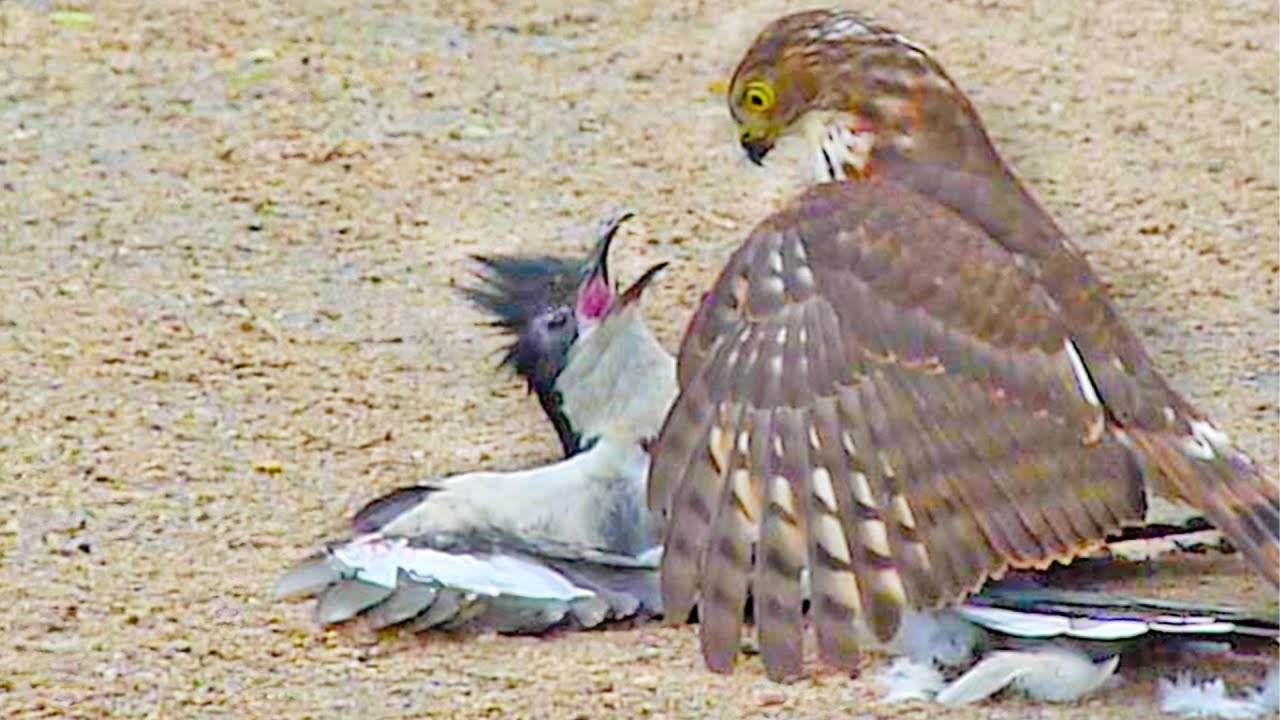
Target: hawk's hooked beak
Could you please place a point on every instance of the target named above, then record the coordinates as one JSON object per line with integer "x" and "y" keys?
{"x": 756, "y": 147}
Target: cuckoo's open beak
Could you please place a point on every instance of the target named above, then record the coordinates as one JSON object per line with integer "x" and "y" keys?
{"x": 633, "y": 293}
{"x": 598, "y": 264}
{"x": 595, "y": 294}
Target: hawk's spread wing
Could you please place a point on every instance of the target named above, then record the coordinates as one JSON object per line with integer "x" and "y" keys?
{"x": 878, "y": 392}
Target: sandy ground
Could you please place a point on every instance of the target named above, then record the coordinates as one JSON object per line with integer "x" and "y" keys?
{"x": 231, "y": 233}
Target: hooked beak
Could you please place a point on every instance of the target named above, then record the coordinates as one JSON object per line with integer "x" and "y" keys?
{"x": 756, "y": 148}
{"x": 633, "y": 293}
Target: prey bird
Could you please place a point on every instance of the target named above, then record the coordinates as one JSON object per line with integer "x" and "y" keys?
{"x": 566, "y": 543}
{"x": 908, "y": 381}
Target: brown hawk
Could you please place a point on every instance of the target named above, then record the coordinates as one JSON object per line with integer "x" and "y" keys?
{"x": 909, "y": 382}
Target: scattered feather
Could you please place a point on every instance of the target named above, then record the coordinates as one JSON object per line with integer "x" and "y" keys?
{"x": 941, "y": 637}
{"x": 1063, "y": 674}
{"x": 1054, "y": 673}
{"x": 1185, "y": 697}
{"x": 906, "y": 680}
{"x": 991, "y": 675}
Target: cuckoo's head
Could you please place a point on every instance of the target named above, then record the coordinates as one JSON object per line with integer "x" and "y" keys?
{"x": 857, "y": 92}
{"x": 550, "y": 304}
{"x": 616, "y": 378}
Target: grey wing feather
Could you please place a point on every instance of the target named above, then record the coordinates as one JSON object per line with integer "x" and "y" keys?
{"x": 307, "y": 579}
{"x": 409, "y": 600}
{"x": 1050, "y": 612}
{"x": 348, "y": 598}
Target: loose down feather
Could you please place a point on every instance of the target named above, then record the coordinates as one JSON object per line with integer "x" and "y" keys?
{"x": 1052, "y": 645}
{"x": 1185, "y": 697}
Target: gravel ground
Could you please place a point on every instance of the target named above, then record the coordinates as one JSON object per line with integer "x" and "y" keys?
{"x": 231, "y": 232}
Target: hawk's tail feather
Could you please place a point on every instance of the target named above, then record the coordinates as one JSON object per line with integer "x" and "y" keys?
{"x": 784, "y": 546}
{"x": 727, "y": 557}
{"x": 681, "y": 483}
{"x": 1233, "y": 493}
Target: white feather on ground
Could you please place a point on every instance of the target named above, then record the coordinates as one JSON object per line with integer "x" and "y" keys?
{"x": 1052, "y": 673}
{"x": 942, "y": 637}
{"x": 907, "y": 679}
{"x": 1186, "y": 697}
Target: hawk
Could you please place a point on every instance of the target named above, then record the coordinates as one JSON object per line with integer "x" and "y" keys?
{"x": 908, "y": 381}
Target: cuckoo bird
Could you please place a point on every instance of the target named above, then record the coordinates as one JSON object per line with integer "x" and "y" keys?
{"x": 908, "y": 381}
{"x": 566, "y": 543}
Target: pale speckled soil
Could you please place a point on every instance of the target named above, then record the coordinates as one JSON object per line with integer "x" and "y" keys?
{"x": 231, "y": 232}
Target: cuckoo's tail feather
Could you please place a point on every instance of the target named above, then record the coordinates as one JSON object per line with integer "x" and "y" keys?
{"x": 1237, "y": 498}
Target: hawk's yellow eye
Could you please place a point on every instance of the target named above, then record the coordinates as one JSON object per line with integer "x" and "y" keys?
{"x": 758, "y": 96}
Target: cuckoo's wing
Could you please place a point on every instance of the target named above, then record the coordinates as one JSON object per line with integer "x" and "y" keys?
{"x": 525, "y": 551}
{"x": 875, "y": 391}
{"x": 491, "y": 581}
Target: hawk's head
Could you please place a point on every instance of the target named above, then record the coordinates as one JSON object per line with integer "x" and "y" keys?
{"x": 859, "y": 94}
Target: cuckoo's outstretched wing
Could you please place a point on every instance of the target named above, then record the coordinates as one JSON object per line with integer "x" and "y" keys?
{"x": 525, "y": 551}
{"x": 877, "y": 391}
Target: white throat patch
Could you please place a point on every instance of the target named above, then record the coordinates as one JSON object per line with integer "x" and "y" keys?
{"x": 840, "y": 153}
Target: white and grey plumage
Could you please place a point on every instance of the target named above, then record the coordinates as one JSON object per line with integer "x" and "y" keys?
{"x": 569, "y": 542}
{"x": 519, "y": 551}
